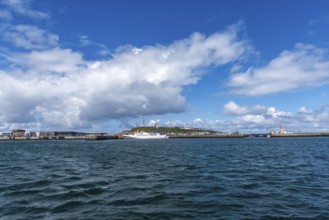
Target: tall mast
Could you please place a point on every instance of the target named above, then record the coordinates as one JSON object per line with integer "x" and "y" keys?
{"x": 143, "y": 117}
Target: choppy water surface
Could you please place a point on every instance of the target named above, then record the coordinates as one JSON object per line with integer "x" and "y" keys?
{"x": 165, "y": 179}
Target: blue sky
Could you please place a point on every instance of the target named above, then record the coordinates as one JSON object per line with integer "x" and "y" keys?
{"x": 226, "y": 65}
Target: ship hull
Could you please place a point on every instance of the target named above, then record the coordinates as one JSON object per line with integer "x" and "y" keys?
{"x": 145, "y": 136}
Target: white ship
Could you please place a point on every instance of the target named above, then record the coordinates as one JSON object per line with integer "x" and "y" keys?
{"x": 145, "y": 135}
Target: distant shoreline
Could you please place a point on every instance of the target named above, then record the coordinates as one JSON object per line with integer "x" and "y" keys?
{"x": 178, "y": 136}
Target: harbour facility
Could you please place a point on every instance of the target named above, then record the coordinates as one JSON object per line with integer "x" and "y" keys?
{"x": 153, "y": 133}
{"x": 21, "y": 134}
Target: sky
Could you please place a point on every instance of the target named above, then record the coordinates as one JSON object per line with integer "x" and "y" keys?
{"x": 229, "y": 65}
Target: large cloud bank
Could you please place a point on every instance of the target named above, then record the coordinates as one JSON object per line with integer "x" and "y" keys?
{"x": 50, "y": 86}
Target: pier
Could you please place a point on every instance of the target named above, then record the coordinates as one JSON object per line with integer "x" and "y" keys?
{"x": 207, "y": 136}
{"x": 311, "y": 134}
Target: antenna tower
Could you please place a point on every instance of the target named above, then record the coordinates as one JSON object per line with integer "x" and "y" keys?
{"x": 143, "y": 117}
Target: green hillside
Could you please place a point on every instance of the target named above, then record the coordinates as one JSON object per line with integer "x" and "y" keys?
{"x": 170, "y": 130}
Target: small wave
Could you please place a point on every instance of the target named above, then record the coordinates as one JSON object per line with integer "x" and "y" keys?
{"x": 137, "y": 201}
{"x": 29, "y": 184}
{"x": 23, "y": 192}
{"x": 95, "y": 191}
{"x": 67, "y": 206}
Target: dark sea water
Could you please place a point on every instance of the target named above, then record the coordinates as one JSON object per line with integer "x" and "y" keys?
{"x": 251, "y": 178}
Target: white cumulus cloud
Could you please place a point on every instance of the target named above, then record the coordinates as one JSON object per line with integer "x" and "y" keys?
{"x": 267, "y": 120}
{"x": 304, "y": 66}
{"x": 231, "y": 108}
{"x": 55, "y": 60}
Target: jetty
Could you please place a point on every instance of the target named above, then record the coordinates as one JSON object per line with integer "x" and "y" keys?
{"x": 310, "y": 134}
{"x": 282, "y": 133}
{"x": 219, "y": 135}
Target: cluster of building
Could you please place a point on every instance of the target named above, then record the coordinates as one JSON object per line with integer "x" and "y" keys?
{"x": 46, "y": 135}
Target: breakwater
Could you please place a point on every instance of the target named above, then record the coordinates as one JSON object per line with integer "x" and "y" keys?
{"x": 240, "y": 135}
{"x": 311, "y": 134}
{"x": 207, "y": 136}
